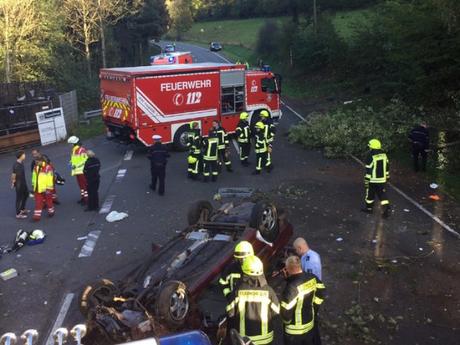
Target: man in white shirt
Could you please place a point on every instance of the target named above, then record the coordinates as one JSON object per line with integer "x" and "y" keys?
{"x": 310, "y": 260}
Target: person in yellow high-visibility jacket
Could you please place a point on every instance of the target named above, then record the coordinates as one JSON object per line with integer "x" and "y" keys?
{"x": 42, "y": 186}
{"x": 77, "y": 161}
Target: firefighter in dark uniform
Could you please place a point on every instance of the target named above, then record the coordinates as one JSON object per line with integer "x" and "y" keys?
{"x": 224, "y": 150}
{"x": 269, "y": 132}
{"x": 300, "y": 301}
{"x": 262, "y": 149}
{"x": 93, "y": 179}
{"x": 210, "y": 156}
{"x": 420, "y": 139}
{"x": 158, "y": 156}
{"x": 243, "y": 138}
{"x": 377, "y": 174}
{"x": 253, "y": 304}
{"x": 194, "y": 142}
{"x": 232, "y": 273}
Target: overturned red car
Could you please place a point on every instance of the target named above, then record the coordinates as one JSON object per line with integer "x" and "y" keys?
{"x": 161, "y": 295}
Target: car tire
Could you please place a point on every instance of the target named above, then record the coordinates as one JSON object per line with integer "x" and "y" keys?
{"x": 199, "y": 212}
{"x": 264, "y": 217}
{"x": 180, "y": 138}
{"x": 101, "y": 292}
{"x": 173, "y": 304}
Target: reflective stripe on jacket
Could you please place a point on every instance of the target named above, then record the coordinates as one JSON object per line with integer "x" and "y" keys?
{"x": 242, "y": 132}
{"x": 222, "y": 138}
{"x": 251, "y": 311}
{"x": 229, "y": 278}
{"x": 377, "y": 167}
{"x": 301, "y": 296}
{"x": 261, "y": 142}
{"x": 210, "y": 149}
{"x": 78, "y": 159}
{"x": 42, "y": 178}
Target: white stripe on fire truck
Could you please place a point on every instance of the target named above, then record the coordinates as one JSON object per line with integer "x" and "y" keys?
{"x": 156, "y": 115}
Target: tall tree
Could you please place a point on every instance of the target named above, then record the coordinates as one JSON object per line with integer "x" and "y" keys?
{"x": 83, "y": 23}
{"x": 27, "y": 38}
{"x": 180, "y": 13}
{"x": 109, "y": 12}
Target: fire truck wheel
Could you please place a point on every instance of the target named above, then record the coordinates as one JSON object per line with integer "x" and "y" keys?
{"x": 264, "y": 217}
{"x": 173, "y": 304}
{"x": 101, "y": 292}
{"x": 199, "y": 212}
{"x": 180, "y": 138}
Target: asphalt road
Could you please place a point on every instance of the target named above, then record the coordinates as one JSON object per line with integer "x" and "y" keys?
{"x": 52, "y": 275}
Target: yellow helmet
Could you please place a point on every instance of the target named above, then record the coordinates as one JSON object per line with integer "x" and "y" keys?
{"x": 264, "y": 114}
{"x": 252, "y": 266}
{"x": 191, "y": 159}
{"x": 244, "y": 116}
{"x": 375, "y": 144}
{"x": 260, "y": 125}
{"x": 243, "y": 249}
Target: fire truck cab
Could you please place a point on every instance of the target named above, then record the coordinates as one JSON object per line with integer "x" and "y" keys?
{"x": 171, "y": 58}
{"x": 138, "y": 102}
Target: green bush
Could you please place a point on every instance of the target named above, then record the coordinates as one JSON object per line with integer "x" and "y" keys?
{"x": 347, "y": 129}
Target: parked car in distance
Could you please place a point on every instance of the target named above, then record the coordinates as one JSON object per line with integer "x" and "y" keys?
{"x": 169, "y": 48}
{"x": 215, "y": 46}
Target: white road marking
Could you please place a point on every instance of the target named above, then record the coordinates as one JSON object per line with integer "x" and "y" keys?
{"x": 294, "y": 112}
{"x": 61, "y": 316}
{"x": 89, "y": 244}
{"x": 128, "y": 155}
{"x": 120, "y": 174}
{"x": 416, "y": 204}
{"x": 107, "y": 205}
{"x": 399, "y": 191}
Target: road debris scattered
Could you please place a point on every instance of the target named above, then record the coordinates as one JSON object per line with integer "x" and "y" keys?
{"x": 9, "y": 274}
{"x": 115, "y": 216}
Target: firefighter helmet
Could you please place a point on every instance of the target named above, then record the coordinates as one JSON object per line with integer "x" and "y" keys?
{"x": 244, "y": 116}
{"x": 243, "y": 249}
{"x": 192, "y": 160}
{"x": 375, "y": 144}
{"x": 260, "y": 125}
{"x": 252, "y": 266}
{"x": 264, "y": 114}
{"x": 73, "y": 140}
{"x": 193, "y": 124}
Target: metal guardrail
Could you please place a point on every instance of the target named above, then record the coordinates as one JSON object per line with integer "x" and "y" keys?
{"x": 60, "y": 337}
{"x": 88, "y": 115}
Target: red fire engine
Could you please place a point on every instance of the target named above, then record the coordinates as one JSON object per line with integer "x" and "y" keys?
{"x": 138, "y": 102}
{"x": 171, "y": 58}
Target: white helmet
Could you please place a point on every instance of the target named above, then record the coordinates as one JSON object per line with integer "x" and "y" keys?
{"x": 37, "y": 235}
{"x": 73, "y": 140}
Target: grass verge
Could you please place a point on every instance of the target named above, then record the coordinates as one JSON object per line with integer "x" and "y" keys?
{"x": 94, "y": 128}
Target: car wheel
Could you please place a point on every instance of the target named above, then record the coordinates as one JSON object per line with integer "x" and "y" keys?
{"x": 173, "y": 303}
{"x": 100, "y": 293}
{"x": 180, "y": 138}
{"x": 199, "y": 212}
{"x": 264, "y": 217}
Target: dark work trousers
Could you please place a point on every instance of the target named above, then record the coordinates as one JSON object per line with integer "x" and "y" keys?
{"x": 21, "y": 198}
{"x": 304, "y": 339}
{"x": 379, "y": 190}
{"x": 224, "y": 158}
{"x": 315, "y": 332}
{"x": 261, "y": 160}
{"x": 210, "y": 167}
{"x": 93, "y": 195}
{"x": 158, "y": 172}
{"x": 417, "y": 151}
{"x": 244, "y": 152}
